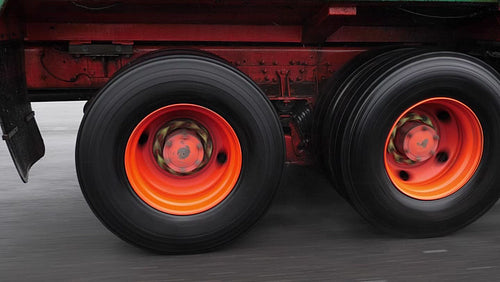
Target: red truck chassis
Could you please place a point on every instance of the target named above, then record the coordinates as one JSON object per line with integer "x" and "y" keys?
{"x": 194, "y": 106}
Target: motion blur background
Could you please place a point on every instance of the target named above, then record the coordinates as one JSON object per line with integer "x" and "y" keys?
{"x": 48, "y": 233}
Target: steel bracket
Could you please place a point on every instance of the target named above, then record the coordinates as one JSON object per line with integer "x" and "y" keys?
{"x": 101, "y": 50}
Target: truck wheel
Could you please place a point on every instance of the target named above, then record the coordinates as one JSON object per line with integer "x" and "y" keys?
{"x": 418, "y": 150}
{"x": 180, "y": 153}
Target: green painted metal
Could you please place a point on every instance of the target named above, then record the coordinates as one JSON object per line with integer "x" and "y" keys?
{"x": 2, "y": 5}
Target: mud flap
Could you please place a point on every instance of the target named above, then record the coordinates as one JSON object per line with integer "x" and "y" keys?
{"x": 17, "y": 120}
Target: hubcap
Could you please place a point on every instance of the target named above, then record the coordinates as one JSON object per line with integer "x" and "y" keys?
{"x": 183, "y": 151}
{"x": 182, "y": 147}
{"x": 416, "y": 141}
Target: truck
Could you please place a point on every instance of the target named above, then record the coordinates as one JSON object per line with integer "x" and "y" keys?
{"x": 194, "y": 108}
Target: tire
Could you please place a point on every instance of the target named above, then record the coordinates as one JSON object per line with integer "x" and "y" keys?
{"x": 402, "y": 189}
{"x": 152, "y": 197}
{"x": 331, "y": 104}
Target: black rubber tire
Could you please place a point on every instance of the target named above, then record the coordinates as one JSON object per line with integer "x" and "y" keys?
{"x": 331, "y": 105}
{"x": 385, "y": 90}
{"x": 161, "y": 80}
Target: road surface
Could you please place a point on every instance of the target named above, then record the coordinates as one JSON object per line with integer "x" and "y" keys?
{"x": 47, "y": 233}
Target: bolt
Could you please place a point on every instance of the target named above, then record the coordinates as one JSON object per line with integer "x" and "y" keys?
{"x": 168, "y": 144}
{"x": 423, "y": 128}
{"x": 275, "y": 63}
{"x": 261, "y": 62}
{"x": 266, "y": 78}
{"x": 198, "y": 146}
{"x": 291, "y": 62}
{"x": 435, "y": 137}
{"x": 302, "y": 70}
{"x": 299, "y": 78}
{"x": 264, "y": 71}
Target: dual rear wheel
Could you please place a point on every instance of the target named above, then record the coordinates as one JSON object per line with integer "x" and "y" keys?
{"x": 410, "y": 139}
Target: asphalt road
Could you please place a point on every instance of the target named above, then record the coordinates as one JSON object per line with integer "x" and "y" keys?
{"x": 47, "y": 233}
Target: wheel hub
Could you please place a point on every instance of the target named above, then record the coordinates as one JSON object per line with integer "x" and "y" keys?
{"x": 182, "y": 147}
{"x": 183, "y": 151}
{"x": 413, "y": 139}
{"x": 417, "y": 141}
{"x": 434, "y": 148}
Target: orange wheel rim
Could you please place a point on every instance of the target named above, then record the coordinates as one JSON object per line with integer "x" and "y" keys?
{"x": 434, "y": 148}
{"x": 183, "y": 159}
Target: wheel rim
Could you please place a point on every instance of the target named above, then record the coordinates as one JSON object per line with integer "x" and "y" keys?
{"x": 433, "y": 148}
{"x": 183, "y": 159}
